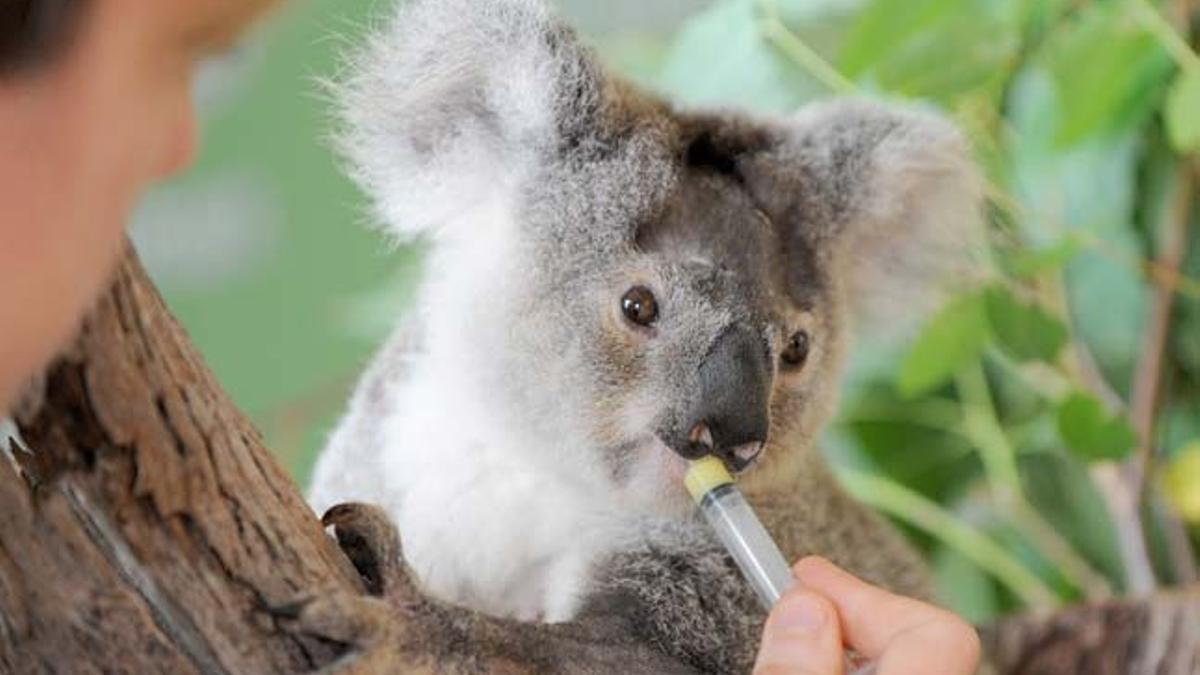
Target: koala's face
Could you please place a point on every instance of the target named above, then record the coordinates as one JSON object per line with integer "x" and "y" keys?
{"x": 693, "y": 319}
{"x": 667, "y": 285}
{"x": 712, "y": 334}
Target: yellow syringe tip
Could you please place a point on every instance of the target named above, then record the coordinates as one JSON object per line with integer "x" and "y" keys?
{"x": 705, "y": 474}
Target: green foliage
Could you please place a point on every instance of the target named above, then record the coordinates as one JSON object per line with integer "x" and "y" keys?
{"x": 958, "y": 335}
{"x": 1183, "y": 111}
{"x": 744, "y": 68}
{"x": 930, "y": 48}
{"x": 954, "y": 337}
{"x": 1064, "y": 102}
{"x": 1087, "y": 192}
{"x": 1107, "y": 70}
{"x": 1028, "y": 263}
{"x": 1091, "y": 432}
{"x": 1059, "y": 487}
{"x": 1027, "y": 332}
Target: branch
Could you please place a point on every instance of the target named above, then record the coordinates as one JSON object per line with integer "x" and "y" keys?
{"x": 1143, "y": 636}
{"x": 1147, "y": 384}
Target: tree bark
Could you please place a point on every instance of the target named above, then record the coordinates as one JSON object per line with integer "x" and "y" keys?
{"x": 1153, "y": 635}
{"x": 148, "y": 529}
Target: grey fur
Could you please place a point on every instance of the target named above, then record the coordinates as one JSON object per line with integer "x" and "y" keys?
{"x": 812, "y": 221}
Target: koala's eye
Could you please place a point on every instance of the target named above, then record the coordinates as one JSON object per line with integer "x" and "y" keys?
{"x": 796, "y": 352}
{"x": 639, "y": 306}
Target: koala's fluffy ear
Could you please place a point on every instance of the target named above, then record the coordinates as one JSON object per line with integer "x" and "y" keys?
{"x": 455, "y": 101}
{"x": 887, "y": 193}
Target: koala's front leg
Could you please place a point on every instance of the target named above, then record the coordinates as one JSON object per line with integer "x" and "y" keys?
{"x": 681, "y": 590}
{"x": 397, "y": 629}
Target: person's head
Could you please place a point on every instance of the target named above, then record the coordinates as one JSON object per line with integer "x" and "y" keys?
{"x": 94, "y": 105}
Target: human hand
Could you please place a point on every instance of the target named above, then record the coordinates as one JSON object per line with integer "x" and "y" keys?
{"x": 830, "y": 609}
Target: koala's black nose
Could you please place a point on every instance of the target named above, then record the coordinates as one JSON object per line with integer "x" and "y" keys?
{"x": 731, "y": 417}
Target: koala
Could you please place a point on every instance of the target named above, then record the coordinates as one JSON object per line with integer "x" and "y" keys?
{"x": 614, "y": 286}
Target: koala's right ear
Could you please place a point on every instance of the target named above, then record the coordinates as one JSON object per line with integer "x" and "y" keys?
{"x": 454, "y": 102}
{"x": 887, "y": 193}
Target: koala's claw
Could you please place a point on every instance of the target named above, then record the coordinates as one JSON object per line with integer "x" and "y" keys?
{"x": 289, "y": 611}
{"x": 369, "y": 539}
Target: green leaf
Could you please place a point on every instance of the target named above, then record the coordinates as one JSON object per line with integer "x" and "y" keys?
{"x": 1059, "y": 487}
{"x": 883, "y": 27}
{"x": 1183, "y": 111}
{"x": 931, "y": 48}
{"x": 1108, "y": 72}
{"x": 1091, "y": 432}
{"x": 1027, "y": 332}
{"x": 1030, "y": 263}
{"x": 954, "y": 337}
{"x": 883, "y": 427}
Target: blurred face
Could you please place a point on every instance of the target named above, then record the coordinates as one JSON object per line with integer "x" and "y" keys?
{"x": 80, "y": 138}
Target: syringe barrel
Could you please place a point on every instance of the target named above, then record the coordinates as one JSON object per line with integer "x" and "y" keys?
{"x": 752, "y": 548}
{"x": 755, "y": 552}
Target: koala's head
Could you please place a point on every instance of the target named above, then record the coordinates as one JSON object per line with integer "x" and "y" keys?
{"x": 627, "y": 285}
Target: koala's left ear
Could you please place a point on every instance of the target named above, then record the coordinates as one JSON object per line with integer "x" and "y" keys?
{"x": 887, "y": 194}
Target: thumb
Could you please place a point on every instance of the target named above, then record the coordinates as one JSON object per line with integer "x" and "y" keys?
{"x": 801, "y": 637}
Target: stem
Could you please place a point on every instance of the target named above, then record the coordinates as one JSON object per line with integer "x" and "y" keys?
{"x": 1147, "y": 384}
{"x": 999, "y": 459}
{"x": 920, "y": 512}
{"x": 1117, "y": 491}
{"x": 1167, "y": 36}
{"x": 979, "y": 419}
{"x": 795, "y": 48}
{"x": 1110, "y": 485}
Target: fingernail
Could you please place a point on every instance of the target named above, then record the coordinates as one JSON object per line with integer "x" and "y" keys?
{"x": 804, "y": 613}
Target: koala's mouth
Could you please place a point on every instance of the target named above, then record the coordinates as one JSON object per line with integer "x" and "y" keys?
{"x": 671, "y": 466}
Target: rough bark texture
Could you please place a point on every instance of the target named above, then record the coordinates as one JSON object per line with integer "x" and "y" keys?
{"x": 149, "y": 530}
{"x": 1157, "y": 635}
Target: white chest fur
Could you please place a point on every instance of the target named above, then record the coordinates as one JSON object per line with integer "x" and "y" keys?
{"x": 482, "y": 524}
{"x": 503, "y": 524}
{"x": 485, "y": 526}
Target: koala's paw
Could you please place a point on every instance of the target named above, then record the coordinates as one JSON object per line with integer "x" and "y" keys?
{"x": 370, "y": 628}
{"x": 367, "y": 536}
{"x": 356, "y": 620}
{"x": 375, "y": 626}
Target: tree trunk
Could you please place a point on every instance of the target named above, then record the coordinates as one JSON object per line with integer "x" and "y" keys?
{"x": 149, "y": 527}
{"x": 149, "y": 530}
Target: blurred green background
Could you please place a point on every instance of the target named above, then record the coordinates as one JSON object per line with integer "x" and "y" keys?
{"x": 1001, "y": 436}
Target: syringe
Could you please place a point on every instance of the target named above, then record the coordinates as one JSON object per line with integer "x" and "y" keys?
{"x": 752, "y": 548}
{"x": 730, "y": 515}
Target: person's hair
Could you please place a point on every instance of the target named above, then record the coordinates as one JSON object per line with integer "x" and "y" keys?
{"x": 34, "y": 31}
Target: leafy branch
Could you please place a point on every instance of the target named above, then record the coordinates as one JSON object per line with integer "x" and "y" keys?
{"x": 1095, "y": 422}
{"x": 909, "y": 506}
